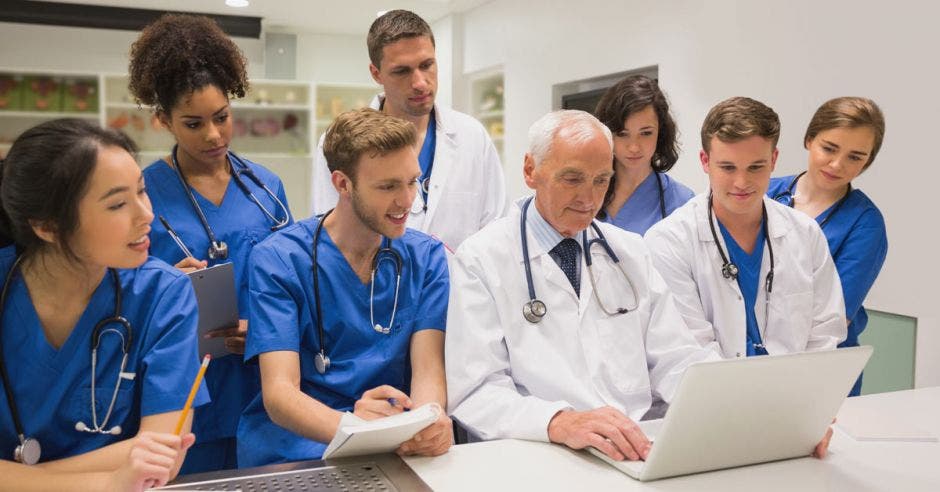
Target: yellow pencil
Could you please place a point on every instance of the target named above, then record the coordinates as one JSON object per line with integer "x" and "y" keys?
{"x": 192, "y": 394}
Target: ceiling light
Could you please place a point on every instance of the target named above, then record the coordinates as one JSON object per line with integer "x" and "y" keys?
{"x": 236, "y": 3}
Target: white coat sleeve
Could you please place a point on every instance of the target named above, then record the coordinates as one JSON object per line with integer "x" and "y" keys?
{"x": 829, "y": 323}
{"x": 495, "y": 203}
{"x": 323, "y": 196}
{"x": 672, "y": 259}
{"x": 481, "y": 393}
{"x": 670, "y": 346}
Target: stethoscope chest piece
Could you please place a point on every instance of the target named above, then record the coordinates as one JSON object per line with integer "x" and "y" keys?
{"x": 28, "y": 452}
{"x": 534, "y": 310}
{"x": 218, "y": 250}
{"x": 730, "y": 271}
{"x": 321, "y": 362}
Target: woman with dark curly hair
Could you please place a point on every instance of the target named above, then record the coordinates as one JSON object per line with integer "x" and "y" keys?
{"x": 219, "y": 204}
{"x": 645, "y": 148}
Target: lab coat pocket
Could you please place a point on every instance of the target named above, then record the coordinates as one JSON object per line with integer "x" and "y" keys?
{"x": 792, "y": 321}
{"x": 621, "y": 353}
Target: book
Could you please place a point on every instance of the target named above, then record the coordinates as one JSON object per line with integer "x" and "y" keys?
{"x": 358, "y": 437}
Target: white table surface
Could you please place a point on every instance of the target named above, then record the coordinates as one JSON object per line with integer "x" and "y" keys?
{"x": 851, "y": 465}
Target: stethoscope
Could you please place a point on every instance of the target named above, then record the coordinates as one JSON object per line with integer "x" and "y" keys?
{"x": 662, "y": 194}
{"x": 534, "y": 309}
{"x": 28, "y": 452}
{"x": 730, "y": 271}
{"x": 218, "y": 250}
{"x": 421, "y": 206}
{"x": 786, "y": 197}
{"x": 386, "y": 253}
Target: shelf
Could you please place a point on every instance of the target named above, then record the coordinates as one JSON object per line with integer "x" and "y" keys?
{"x": 277, "y": 107}
{"x": 50, "y": 115}
{"x": 488, "y": 115}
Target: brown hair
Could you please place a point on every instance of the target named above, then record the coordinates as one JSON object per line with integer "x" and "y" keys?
{"x": 178, "y": 54}
{"x": 848, "y": 112}
{"x": 392, "y": 26}
{"x": 632, "y": 95}
{"x": 354, "y": 133}
{"x": 738, "y": 118}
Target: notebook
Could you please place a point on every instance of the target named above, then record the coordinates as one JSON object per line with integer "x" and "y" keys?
{"x": 358, "y": 437}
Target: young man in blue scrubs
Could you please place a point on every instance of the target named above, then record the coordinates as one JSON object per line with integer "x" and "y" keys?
{"x": 462, "y": 186}
{"x": 748, "y": 273}
{"x": 348, "y": 310}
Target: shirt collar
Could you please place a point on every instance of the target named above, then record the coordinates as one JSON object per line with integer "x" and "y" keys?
{"x": 545, "y": 235}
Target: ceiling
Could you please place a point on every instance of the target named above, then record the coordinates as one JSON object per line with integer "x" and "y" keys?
{"x": 317, "y": 16}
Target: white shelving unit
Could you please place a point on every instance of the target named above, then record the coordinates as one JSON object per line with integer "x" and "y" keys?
{"x": 334, "y": 99}
{"x": 29, "y": 97}
{"x": 487, "y": 105}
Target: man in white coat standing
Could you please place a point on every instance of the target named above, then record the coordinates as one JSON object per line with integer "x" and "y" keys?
{"x": 461, "y": 188}
{"x": 574, "y": 354}
{"x": 748, "y": 274}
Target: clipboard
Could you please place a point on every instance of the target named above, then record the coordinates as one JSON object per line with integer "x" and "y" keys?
{"x": 218, "y": 305}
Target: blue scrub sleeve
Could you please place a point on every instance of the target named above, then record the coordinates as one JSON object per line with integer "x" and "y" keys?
{"x": 274, "y": 314}
{"x": 172, "y": 362}
{"x": 860, "y": 259}
{"x": 432, "y": 308}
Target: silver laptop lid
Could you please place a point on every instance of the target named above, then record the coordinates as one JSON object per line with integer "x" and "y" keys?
{"x": 743, "y": 411}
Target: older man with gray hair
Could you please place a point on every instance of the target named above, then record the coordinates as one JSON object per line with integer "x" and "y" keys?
{"x": 536, "y": 351}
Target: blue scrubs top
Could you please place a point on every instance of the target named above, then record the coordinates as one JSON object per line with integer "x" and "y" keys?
{"x": 642, "y": 209}
{"x": 426, "y": 156}
{"x": 283, "y": 316}
{"x": 748, "y": 281}
{"x": 858, "y": 243}
{"x": 52, "y": 387}
{"x": 240, "y": 224}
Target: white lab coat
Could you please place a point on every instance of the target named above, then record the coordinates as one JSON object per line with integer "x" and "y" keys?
{"x": 506, "y": 377}
{"x": 806, "y": 310}
{"x": 468, "y": 189}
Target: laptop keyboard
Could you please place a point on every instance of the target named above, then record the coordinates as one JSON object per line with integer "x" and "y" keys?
{"x": 362, "y": 477}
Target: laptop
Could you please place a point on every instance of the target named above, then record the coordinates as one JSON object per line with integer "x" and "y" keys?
{"x": 740, "y": 412}
{"x": 218, "y": 305}
{"x": 375, "y": 473}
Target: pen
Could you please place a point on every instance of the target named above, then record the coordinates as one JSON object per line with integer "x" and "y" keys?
{"x": 192, "y": 394}
{"x": 175, "y": 236}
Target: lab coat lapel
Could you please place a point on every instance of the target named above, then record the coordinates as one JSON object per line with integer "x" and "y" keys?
{"x": 445, "y": 158}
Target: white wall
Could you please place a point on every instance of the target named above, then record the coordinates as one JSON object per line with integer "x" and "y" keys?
{"x": 333, "y": 58}
{"x": 78, "y": 49}
{"x": 791, "y": 55}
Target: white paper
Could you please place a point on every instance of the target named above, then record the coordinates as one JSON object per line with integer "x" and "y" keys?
{"x": 869, "y": 425}
{"x": 358, "y": 437}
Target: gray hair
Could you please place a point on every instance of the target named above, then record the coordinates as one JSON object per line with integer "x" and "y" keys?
{"x": 581, "y": 127}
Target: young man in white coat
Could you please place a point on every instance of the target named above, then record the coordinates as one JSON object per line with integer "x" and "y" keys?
{"x": 462, "y": 184}
{"x": 748, "y": 274}
{"x": 575, "y": 354}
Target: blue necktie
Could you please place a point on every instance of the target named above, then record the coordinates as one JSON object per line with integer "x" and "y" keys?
{"x": 567, "y": 254}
